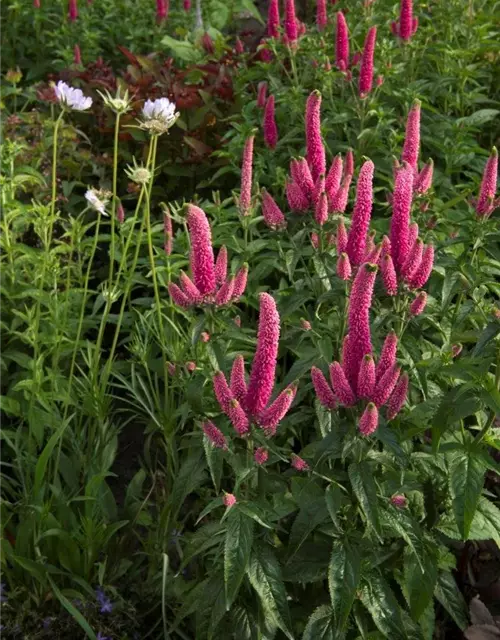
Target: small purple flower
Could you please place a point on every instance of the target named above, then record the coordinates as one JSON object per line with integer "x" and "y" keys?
{"x": 3, "y": 598}
{"x": 46, "y": 623}
{"x": 101, "y": 637}
{"x": 105, "y": 602}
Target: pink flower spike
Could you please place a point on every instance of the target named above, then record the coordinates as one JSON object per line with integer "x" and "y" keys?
{"x": 321, "y": 209}
{"x": 322, "y": 388}
{"x": 356, "y": 245}
{"x": 424, "y": 271}
{"x": 291, "y": 23}
{"x": 120, "y": 216}
{"x": 222, "y": 392}
{"x": 385, "y": 386}
{"x": 366, "y": 378}
{"x": 349, "y": 164}
{"x": 186, "y": 5}
{"x": 238, "y": 379}
{"x": 161, "y": 10}
{"x": 388, "y": 355}
{"x": 319, "y": 188}
{"x": 340, "y": 385}
{"x": 214, "y": 434}
{"x": 406, "y": 19}
{"x": 344, "y": 270}
{"x": 389, "y": 277}
{"x": 238, "y": 418}
{"x": 205, "y": 336}
{"x": 270, "y": 128}
{"x": 394, "y": 28}
{"x": 321, "y": 17}
{"x": 341, "y": 43}
{"x": 77, "y": 56}
{"x": 486, "y": 202}
{"x": 411, "y": 147}
{"x": 301, "y": 175}
{"x": 245, "y": 203}
{"x": 240, "y": 282}
{"x": 400, "y": 221}
{"x": 374, "y": 255}
{"x": 424, "y": 179}
{"x": 191, "y": 366}
{"x": 305, "y": 324}
{"x": 398, "y": 397}
{"x": 414, "y": 26}
{"x": 297, "y": 199}
{"x": 366, "y": 69}
{"x": 314, "y": 144}
{"x": 341, "y": 238}
{"x": 369, "y": 420}
{"x": 273, "y": 19}
{"x": 72, "y": 10}
{"x": 412, "y": 234}
{"x": 189, "y": 288}
{"x": 261, "y": 455}
{"x": 202, "y": 255}
{"x": 399, "y": 501}
{"x": 262, "y": 94}
{"x": 225, "y": 293}
{"x": 263, "y": 370}
{"x": 167, "y": 234}
{"x": 272, "y": 416}
{"x": 418, "y": 305}
{"x": 412, "y": 263}
{"x": 298, "y": 463}
{"x": 273, "y": 216}
{"x": 315, "y": 240}
{"x": 178, "y": 296}
{"x": 338, "y": 203}
{"x": 229, "y": 500}
{"x": 221, "y": 266}
{"x": 36, "y": 4}
{"x": 334, "y": 177}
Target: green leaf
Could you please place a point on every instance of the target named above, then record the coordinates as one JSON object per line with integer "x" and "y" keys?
{"x": 237, "y": 548}
{"x": 333, "y": 497}
{"x": 363, "y": 485}
{"x": 478, "y": 118}
{"x": 43, "y": 460}
{"x": 420, "y": 581}
{"x": 449, "y": 596}
{"x": 491, "y": 331}
{"x": 456, "y": 405}
{"x": 466, "y": 482}
{"x": 344, "y": 575}
{"x": 215, "y": 457}
{"x": 486, "y": 523}
{"x": 73, "y": 611}
{"x": 380, "y": 601}
{"x": 265, "y": 577}
{"x": 10, "y": 406}
{"x": 182, "y": 49}
{"x": 309, "y": 517}
{"x": 409, "y": 529}
{"x": 248, "y": 5}
{"x": 320, "y": 625}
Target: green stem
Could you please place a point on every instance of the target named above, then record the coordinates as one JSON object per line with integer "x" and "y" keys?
{"x": 113, "y": 202}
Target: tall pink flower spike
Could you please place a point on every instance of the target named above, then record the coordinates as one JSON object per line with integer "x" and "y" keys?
{"x": 262, "y": 94}
{"x": 209, "y": 284}
{"x": 407, "y": 25}
{"x": 334, "y": 178}
{"x": 270, "y": 128}
{"x": 321, "y": 16}
{"x": 301, "y": 175}
{"x": 273, "y": 216}
{"x": 356, "y": 244}
{"x": 424, "y": 179}
{"x": 366, "y": 69}
{"x": 72, "y": 10}
{"x": 411, "y": 147}
{"x": 161, "y": 10}
{"x": 341, "y": 43}
{"x": 400, "y": 221}
{"x": 273, "y": 19}
{"x": 486, "y": 202}
{"x": 291, "y": 23}
{"x": 245, "y": 202}
{"x": 314, "y": 144}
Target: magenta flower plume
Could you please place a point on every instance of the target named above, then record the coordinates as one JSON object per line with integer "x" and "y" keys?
{"x": 399, "y": 501}
{"x": 269, "y": 126}
{"x": 202, "y": 255}
{"x": 214, "y": 434}
{"x": 385, "y": 386}
{"x": 238, "y": 418}
{"x": 179, "y": 297}
{"x": 189, "y": 288}
{"x": 340, "y": 385}
{"x": 225, "y": 294}
{"x": 297, "y": 199}
{"x": 273, "y": 19}
{"x": 222, "y": 392}
{"x": 389, "y": 277}
{"x": 412, "y": 262}
{"x": 388, "y": 355}
{"x": 412, "y": 234}
{"x": 321, "y": 17}
{"x": 366, "y": 69}
{"x": 341, "y": 43}
{"x": 425, "y": 269}
{"x": 369, "y": 420}
{"x": 314, "y": 144}
{"x": 298, "y": 463}
{"x": 418, "y": 305}
{"x": 411, "y": 147}
{"x": 400, "y": 221}
{"x": 291, "y": 27}
{"x": 406, "y": 20}
{"x": 167, "y": 234}
{"x": 221, "y": 266}
{"x": 273, "y": 216}
{"x": 301, "y": 175}
{"x": 229, "y": 500}
{"x": 334, "y": 177}
{"x": 240, "y": 282}
{"x": 238, "y": 379}
{"x": 348, "y": 164}
{"x": 245, "y": 203}
{"x": 338, "y": 203}
{"x": 161, "y": 10}
{"x": 186, "y": 5}
{"x": 360, "y": 301}
{"x": 120, "y": 216}
{"x": 321, "y": 209}
{"x": 373, "y": 256}
{"x": 341, "y": 238}
{"x": 261, "y": 455}
{"x": 77, "y": 56}
{"x": 398, "y": 397}
{"x": 270, "y": 418}
{"x": 72, "y": 10}
{"x": 319, "y": 188}
{"x": 322, "y": 388}
{"x": 356, "y": 244}
{"x": 366, "y": 378}
{"x": 486, "y": 202}
{"x": 260, "y": 386}
{"x": 424, "y": 179}
{"x": 262, "y": 94}
{"x": 344, "y": 269}
{"x": 36, "y": 4}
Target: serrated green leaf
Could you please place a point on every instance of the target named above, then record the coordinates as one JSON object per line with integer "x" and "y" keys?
{"x": 214, "y": 457}
{"x": 309, "y": 517}
{"x": 449, "y": 596}
{"x": 380, "y": 601}
{"x": 466, "y": 482}
{"x": 363, "y": 485}
{"x": 420, "y": 579}
{"x": 237, "y": 549}
{"x": 320, "y": 625}
{"x": 486, "y": 523}
{"x": 344, "y": 575}
{"x": 333, "y": 497}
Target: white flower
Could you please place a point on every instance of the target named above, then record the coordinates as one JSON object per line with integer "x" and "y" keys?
{"x": 159, "y": 115}
{"x": 98, "y": 200}
{"x": 72, "y": 98}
